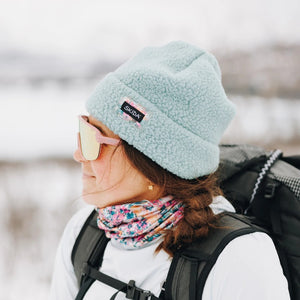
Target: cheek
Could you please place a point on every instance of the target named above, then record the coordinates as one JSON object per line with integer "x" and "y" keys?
{"x": 107, "y": 169}
{"x": 99, "y": 168}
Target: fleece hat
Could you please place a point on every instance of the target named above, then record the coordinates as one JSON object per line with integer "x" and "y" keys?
{"x": 168, "y": 102}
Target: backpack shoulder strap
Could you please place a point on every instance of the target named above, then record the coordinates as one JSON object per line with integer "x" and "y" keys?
{"x": 87, "y": 256}
{"x": 191, "y": 266}
{"x": 88, "y": 250}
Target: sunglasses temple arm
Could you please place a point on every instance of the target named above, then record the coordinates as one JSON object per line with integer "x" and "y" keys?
{"x": 106, "y": 140}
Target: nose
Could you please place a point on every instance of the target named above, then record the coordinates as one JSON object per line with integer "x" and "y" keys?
{"x": 78, "y": 156}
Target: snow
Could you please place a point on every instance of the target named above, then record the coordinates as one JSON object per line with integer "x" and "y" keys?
{"x": 37, "y": 199}
{"x": 40, "y": 122}
{"x": 265, "y": 121}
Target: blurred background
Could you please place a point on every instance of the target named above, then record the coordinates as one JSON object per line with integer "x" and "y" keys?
{"x": 52, "y": 54}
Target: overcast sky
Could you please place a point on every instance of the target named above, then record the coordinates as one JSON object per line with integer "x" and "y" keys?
{"x": 86, "y": 29}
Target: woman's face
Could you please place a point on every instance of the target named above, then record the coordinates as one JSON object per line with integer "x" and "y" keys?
{"x": 111, "y": 179}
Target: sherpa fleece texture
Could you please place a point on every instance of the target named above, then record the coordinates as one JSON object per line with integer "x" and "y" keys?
{"x": 178, "y": 88}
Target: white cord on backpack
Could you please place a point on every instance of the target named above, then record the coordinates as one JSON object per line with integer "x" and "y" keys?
{"x": 273, "y": 157}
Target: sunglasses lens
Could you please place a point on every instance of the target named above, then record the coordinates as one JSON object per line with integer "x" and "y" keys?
{"x": 89, "y": 146}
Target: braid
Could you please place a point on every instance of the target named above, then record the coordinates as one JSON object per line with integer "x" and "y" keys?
{"x": 198, "y": 217}
{"x": 196, "y": 195}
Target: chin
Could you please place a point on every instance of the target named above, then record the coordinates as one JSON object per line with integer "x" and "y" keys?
{"x": 95, "y": 200}
{"x": 90, "y": 199}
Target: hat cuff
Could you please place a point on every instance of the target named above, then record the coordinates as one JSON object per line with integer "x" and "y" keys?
{"x": 157, "y": 136}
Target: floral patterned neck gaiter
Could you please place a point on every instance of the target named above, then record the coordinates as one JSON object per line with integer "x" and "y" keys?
{"x": 136, "y": 224}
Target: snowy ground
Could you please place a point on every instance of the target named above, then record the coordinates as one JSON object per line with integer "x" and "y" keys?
{"x": 37, "y": 198}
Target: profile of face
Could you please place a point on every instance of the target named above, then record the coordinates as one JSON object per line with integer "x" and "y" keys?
{"x": 111, "y": 179}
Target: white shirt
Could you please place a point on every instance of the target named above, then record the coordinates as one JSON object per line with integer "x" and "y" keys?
{"x": 247, "y": 269}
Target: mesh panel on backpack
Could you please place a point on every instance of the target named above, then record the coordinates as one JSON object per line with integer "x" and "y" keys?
{"x": 276, "y": 205}
{"x": 241, "y": 153}
{"x": 291, "y": 182}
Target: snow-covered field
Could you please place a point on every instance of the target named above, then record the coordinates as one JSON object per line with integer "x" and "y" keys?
{"x": 37, "y": 198}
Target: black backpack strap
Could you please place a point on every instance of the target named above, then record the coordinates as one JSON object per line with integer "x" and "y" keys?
{"x": 191, "y": 266}
{"x": 88, "y": 250}
{"x": 130, "y": 289}
{"x": 87, "y": 257}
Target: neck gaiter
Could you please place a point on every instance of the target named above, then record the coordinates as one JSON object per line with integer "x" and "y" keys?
{"x": 136, "y": 224}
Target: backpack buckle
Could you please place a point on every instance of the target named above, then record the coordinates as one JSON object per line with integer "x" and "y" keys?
{"x": 136, "y": 293}
{"x": 145, "y": 295}
{"x": 85, "y": 269}
{"x": 270, "y": 190}
{"x": 131, "y": 288}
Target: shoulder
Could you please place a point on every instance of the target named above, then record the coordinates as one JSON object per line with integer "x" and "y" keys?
{"x": 71, "y": 232}
{"x": 250, "y": 249}
{"x": 75, "y": 224}
{"x": 64, "y": 282}
{"x": 247, "y": 268}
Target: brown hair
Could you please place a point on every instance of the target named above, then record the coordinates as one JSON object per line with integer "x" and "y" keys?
{"x": 196, "y": 194}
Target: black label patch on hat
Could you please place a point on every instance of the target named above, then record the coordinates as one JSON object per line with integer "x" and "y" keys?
{"x": 132, "y": 112}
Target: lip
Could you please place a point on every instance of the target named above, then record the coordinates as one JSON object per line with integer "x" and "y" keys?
{"x": 87, "y": 176}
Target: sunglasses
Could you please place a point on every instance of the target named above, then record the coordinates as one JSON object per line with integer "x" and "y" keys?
{"x": 90, "y": 139}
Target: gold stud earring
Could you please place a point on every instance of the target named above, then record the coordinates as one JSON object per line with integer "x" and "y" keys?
{"x": 150, "y": 187}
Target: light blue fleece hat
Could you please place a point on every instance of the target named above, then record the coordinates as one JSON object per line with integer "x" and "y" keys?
{"x": 169, "y": 103}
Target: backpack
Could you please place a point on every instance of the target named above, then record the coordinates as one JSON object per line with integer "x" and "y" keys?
{"x": 264, "y": 188}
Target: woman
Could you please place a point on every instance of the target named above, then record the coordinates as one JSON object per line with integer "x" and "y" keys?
{"x": 149, "y": 152}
